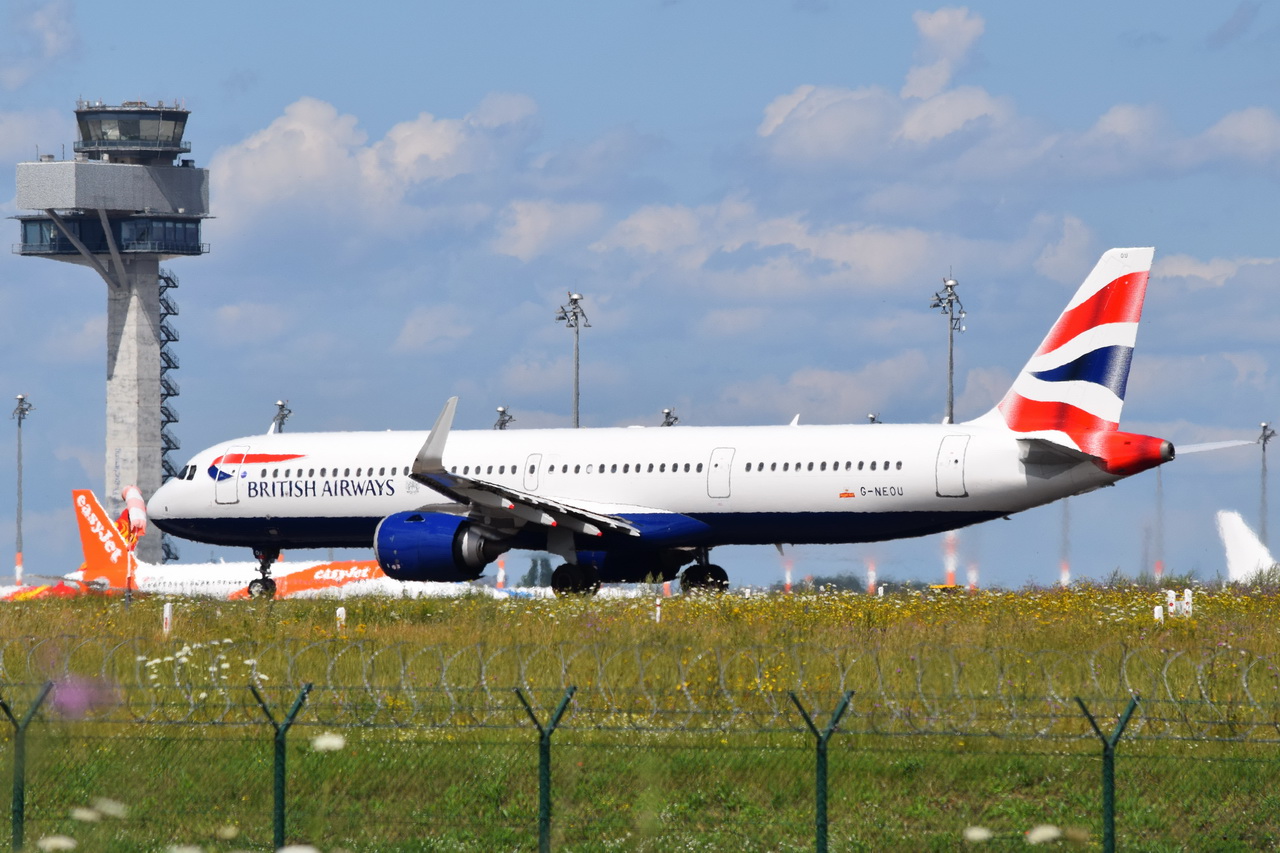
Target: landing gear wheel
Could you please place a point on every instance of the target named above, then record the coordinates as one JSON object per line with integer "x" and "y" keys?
{"x": 717, "y": 579}
{"x": 693, "y": 579}
{"x": 262, "y": 588}
{"x": 569, "y": 579}
{"x": 700, "y": 578}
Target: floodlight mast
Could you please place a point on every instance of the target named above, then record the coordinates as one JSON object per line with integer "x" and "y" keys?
{"x": 282, "y": 414}
{"x": 1267, "y": 434}
{"x": 948, "y": 302}
{"x": 20, "y": 413}
{"x": 575, "y": 318}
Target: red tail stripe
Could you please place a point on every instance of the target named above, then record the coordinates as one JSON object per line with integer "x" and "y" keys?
{"x": 1024, "y": 415}
{"x": 1118, "y": 302}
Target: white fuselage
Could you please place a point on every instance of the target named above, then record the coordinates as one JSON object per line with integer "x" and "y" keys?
{"x": 784, "y": 484}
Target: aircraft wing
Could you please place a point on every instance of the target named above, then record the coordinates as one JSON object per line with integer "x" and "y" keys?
{"x": 495, "y": 500}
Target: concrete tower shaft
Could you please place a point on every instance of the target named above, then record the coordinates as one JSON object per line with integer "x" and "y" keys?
{"x": 123, "y": 205}
{"x": 134, "y": 445}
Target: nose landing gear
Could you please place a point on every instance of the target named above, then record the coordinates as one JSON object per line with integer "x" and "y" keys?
{"x": 265, "y": 586}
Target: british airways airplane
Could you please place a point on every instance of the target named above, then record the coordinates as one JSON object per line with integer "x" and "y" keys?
{"x": 636, "y": 504}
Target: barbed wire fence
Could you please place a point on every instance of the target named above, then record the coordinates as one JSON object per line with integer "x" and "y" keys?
{"x": 223, "y": 744}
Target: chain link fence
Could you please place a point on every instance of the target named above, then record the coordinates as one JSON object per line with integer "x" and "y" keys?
{"x": 395, "y": 748}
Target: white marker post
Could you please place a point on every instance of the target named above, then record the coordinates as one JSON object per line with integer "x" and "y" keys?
{"x": 657, "y": 610}
{"x": 341, "y": 614}
{"x": 166, "y": 619}
{"x": 1158, "y": 613}
{"x": 502, "y": 573}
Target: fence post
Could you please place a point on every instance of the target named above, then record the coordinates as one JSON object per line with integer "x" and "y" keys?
{"x": 282, "y": 730}
{"x": 544, "y": 764}
{"x": 18, "y": 813}
{"x": 1109, "y": 771}
{"x": 820, "y": 774}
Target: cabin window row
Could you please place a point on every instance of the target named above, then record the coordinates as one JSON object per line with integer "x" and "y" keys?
{"x": 327, "y": 472}
{"x": 591, "y": 468}
{"x": 822, "y": 466}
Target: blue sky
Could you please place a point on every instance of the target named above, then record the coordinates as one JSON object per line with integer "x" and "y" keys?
{"x": 758, "y": 201}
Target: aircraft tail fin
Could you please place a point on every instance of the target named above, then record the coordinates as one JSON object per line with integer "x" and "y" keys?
{"x": 108, "y": 559}
{"x": 1071, "y": 391}
{"x": 1247, "y": 556}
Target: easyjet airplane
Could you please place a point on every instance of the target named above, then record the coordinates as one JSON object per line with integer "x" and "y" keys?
{"x": 110, "y": 567}
{"x": 639, "y": 504}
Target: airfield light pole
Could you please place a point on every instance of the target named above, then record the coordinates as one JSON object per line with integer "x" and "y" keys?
{"x": 20, "y": 413}
{"x": 575, "y": 318}
{"x": 282, "y": 414}
{"x": 504, "y": 418}
{"x": 948, "y": 302}
{"x": 1267, "y": 434}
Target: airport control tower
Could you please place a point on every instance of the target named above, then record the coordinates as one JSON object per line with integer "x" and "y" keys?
{"x": 127, "y": 201}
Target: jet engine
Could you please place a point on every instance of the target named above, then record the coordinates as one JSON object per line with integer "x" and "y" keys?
{"x": 433, "y": 546}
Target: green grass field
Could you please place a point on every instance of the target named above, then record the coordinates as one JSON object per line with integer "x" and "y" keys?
{"x": 682, "y": 734}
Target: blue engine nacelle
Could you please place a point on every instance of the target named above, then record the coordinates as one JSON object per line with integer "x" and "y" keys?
{"x": 432, "y": 546}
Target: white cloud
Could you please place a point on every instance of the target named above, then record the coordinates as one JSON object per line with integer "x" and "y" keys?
{"x": 829, "y": 396}
{"x": 21, "y": 133}
{"x": 528, "y": 228}
{"x": 832, "y": 130}
{"x": 1062, "y": 261}
{"x": 1214, "y": 272}
{"x": 41, "y": 33}
{"x": 949, "y": 112}
{"x": 1251, "y": 134}
{"x": 432, "y": 329}
{"x": 312, "y": 154}
{"x": 732, "y": 248}
{"x": 947, "y": 35}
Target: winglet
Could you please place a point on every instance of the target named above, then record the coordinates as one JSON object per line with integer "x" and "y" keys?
{"x": 430, "y": 458}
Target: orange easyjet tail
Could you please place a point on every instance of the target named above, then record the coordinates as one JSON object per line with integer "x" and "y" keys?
{"x": 108, "y": 560}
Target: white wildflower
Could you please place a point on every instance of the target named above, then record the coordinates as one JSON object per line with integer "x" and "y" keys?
{"x": 298, "y": 848}
{"x": 111, "y": 808}
{"x": 85, "y": 815}
{"x": 251, "y": 662}
{"x": 227, "y": 832}
{"x": 328, "y": 742}
{"x": 56, "y": 842}
{"x": 1043, "y": 834}
{"x": 977, "y": 834}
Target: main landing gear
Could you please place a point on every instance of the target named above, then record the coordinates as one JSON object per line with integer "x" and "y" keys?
{"x": 704, "y": 576}
{"x": 264, "y": 587}
{"x": 575, "y": 579}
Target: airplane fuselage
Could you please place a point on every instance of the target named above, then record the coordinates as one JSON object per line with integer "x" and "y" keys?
{"x": 741, "y": 485}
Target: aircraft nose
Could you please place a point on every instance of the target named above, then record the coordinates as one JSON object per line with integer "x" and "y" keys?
{"x": 158, "y": 506}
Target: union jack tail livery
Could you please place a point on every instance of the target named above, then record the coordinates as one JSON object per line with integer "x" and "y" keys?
{"x": 1071, "y": 391}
